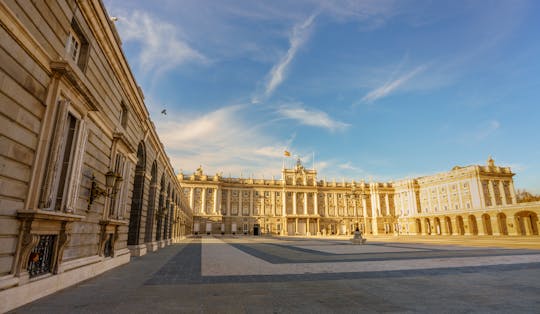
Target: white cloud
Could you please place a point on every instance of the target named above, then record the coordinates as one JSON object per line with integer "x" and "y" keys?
{"x": 391, "y": 86}
{"x": 298, "y": 37}
{"x": 161, "y": 47}
{"x": 221, "y": 140}
{"x": 311, "y": 117}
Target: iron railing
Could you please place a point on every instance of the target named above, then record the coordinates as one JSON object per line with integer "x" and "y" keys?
{"x": 40, "y": 260}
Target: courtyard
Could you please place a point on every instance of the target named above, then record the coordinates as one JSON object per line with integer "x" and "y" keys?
{"x": 309, "y": 275}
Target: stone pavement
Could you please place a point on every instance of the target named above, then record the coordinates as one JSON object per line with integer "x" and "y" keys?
{"x": 284, "y": 275}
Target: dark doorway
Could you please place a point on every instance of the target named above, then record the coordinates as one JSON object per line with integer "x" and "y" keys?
{"x": 256, "y": 229}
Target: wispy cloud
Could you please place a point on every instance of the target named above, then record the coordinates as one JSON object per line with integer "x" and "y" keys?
{"x": 221, "y": 140}
{"x": 391, "y": 86}
{"x": 298, "y": 37}
{"x": 161, "y": 48}
{"x": 311, "y": 117}
{"x": 486, "y": 129}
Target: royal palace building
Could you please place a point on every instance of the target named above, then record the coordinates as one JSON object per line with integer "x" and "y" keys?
{"x": 472, "y": 200}
{"x": 85, "y": 182}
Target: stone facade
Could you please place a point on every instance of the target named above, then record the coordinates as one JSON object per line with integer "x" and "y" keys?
{"x": 473, "y": 200}
{"x": 84, "y": 180}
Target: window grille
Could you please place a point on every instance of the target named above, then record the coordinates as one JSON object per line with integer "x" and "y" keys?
{"x": 40, "y": 259}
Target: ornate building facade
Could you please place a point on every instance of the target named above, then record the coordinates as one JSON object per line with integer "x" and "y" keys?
{"x": 473, "y": 200}
{"x": 84, "y": 179}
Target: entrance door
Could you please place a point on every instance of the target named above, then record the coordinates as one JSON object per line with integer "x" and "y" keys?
{"x": 256, "y": 229}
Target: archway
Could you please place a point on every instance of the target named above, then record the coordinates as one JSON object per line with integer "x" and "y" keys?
{"x": 151, "y": 205}
{"x": 527, "y": 222}
{"x": 486, "y": 223}
{"x": 448, "y": 223}
{"x": 428, "y": 226}
{"x": 501, "y": 220}
{"x": 460, "y": 225}
{"x": 137, "y": 197}
{"x": 473, "y": 226}
{"x": 437, "y": 222}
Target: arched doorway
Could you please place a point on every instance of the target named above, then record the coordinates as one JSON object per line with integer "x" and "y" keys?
{"x": 418, "y": 226}
{"x": 438, "y": 230}
{"x": 149, "y": 228}
{"x": 486, "y": 223}
{"x": 501, "y": 220}
{"x": 473, "y": 226}
{"x": 460, "y": 225}
{"x": 137, "y": 197}
{"x": 527, "y": 223}
{"x": 448, "y": 223}
{"x": 428, "y": 226}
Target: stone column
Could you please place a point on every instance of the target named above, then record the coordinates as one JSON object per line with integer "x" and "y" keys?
{"x": 512, "y": 192}
{"x": 386, "y": 199}
{"x": 318, "y": 227}
{"x": 326, "y": 207}
{"x": 512, "y": 225}
{"x": 251, "y": 203}
{"x": 192, "y": 198}
{"x": 430, "y": 207}
{"x": 492, "y": 193}
{"x": 240, "y": 201}
{"x": 316, "y": 203}
{"x": 284, "y": 204}
{"x": 229, "y": 202}
{"x": 459, "y": 195}
{"x": 307, "y": 227}
{"x": 215, "y": 201}
{"x": 455, "y": 227}
{"x": 501, "y": 192}
{"x": 294, "y": 203}
{"x": 336, "y": 208}
{"x": 444, "y": 229}
{"x": 305, "y": 202}
{"x": 273, "y": 203}
{"x": 203, "y": 201}
{"x": 296, "y": 225}
{"x": 495, "y": 225}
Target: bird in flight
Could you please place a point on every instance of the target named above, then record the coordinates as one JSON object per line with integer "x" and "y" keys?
{"x": 164, "y": 112}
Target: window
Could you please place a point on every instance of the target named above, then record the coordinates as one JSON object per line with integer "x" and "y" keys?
{"x": 66, "y": 159}
{"x": 77, "y": 46}
{"x": 73, "y": 46}
{"x": 60, "y": 185}
{"x": 123, "y": 115}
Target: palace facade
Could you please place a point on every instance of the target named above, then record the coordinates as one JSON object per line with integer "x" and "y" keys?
{"x": 472, "y": 200}
{"x": 85, "y": 182}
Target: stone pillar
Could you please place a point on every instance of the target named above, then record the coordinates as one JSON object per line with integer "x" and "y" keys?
{"x": 430, "y": 206}
{"x": 215, "y": 209}
{"x": 316, "y": 203}
{"x": 307, "y": 227}
{"x": 229, "y": 202}
{"x": 273, "y": 203}
{"x": 326, "y": 207}
{"x": 512, "y": 192}
{"x": 284, "y": 213}
{"x": 527, "y": 224}
{"x": 492, "y": 193}
{"x": 296, "y": 225}
{"x": 203, "y": 201}
{"x": 455, "y": 227}
{"x": 502, "y": 193}
{"x": 192, "y": 198}
{"x": 240, "y": 203}
{"x": 480, "y": 225}
{"x": 495, "y": 225}
{"x": 336, "y": 207}
{"x": 444, "y": 229}
{"x": 251, "y": 203}
{"x": 512, "y": 225}
{"x": 294, "y": 203}
{"x": 386, "y": 199}
{"x": 318, "y": 227}
{"x": 305, "y": 202}
{"x": 459, "y": 195}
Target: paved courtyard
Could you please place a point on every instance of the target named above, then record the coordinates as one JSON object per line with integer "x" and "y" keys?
{"x": 283, "y": 275}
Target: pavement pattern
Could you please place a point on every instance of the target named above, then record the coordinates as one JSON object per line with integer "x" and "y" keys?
{"x": 303, "y": 275}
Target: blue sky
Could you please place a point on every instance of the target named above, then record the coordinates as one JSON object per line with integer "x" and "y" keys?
{"x": 378, "y": 90}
